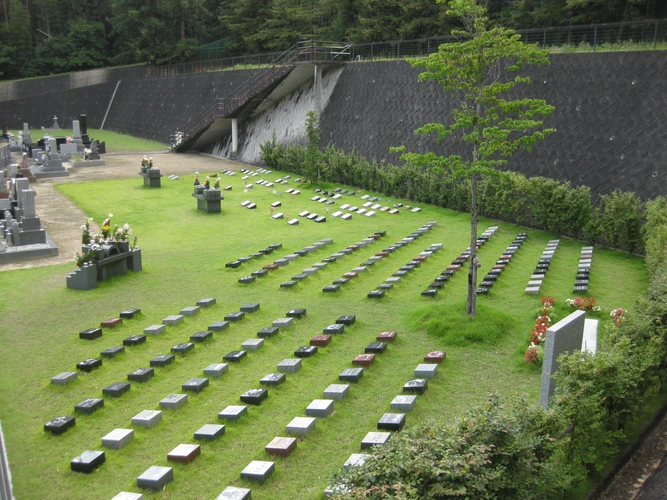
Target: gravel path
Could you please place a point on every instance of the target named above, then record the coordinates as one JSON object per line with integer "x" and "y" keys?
{"x": 62, "y": 219}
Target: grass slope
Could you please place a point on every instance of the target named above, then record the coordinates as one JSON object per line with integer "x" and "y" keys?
{"x": 184, "y": 253}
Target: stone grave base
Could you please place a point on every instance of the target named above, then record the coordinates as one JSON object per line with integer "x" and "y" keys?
{"x": 89, "y": 163}
{"x": 27, "y": 252}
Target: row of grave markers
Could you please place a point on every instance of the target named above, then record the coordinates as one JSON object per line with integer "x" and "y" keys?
{"x": 394, "y": 421}
{"x": 456, "y": 264}
{"x": 535, "y": 282}
{"x": 493, "y": 274}
{"x": 583, "y": 270}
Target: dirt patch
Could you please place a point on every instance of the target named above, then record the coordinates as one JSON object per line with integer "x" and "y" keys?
{"x": 62, "y": 219}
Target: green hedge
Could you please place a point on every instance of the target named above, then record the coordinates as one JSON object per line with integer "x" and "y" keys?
{"x": 615, "y": 220}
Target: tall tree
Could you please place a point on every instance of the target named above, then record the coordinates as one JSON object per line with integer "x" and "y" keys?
{"x": 480, "y": 70}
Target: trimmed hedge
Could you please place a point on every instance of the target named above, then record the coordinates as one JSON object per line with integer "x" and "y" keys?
{"x": 615, "y": 220}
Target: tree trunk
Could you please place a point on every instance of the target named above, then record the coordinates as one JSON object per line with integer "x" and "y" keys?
{"x": 471, "y": 306}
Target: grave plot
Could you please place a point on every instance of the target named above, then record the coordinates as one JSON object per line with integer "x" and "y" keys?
{"x": 383, "y": 254}
{"x": 234, "y": 264}
{"x": 456, "y": 264}
{"x": 583, "y": 270}
{"x": 536, "y": 279}
{"x": 284, "y": 261}
{"x": 485, "y": 285}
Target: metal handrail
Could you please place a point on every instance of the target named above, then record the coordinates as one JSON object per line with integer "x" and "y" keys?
{"x": 306, "y": 51}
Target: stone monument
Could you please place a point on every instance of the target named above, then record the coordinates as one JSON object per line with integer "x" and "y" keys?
{"x": 53, "y": 162}
{"x": 564, "y": 337}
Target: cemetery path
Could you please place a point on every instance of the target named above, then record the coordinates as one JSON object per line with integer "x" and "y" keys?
{"x": 62, "y": 219}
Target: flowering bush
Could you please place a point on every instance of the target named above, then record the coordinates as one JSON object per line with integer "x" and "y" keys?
{"x": 547, "y": 308}
{"x": 122, "y": 233}
{"x": 618, "y": 316}
{"x": 85, "y": 231}
{"x": 539, "y": 332}
{"x": 584, "y": 304}
{"x": 106, "y": 227}
{"x": 87, "y": 256}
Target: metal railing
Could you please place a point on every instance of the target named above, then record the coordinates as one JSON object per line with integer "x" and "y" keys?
{"x": 303, "y": 52}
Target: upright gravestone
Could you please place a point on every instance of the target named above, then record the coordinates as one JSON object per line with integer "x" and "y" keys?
{"x": 76, "y": 132}
{"x": 53, "y": 162}
{"x": 26, "y": 134}
{"x": 83, "y": 122}
{"x": 563, "y": 337}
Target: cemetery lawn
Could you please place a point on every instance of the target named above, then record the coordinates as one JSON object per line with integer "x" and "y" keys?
{"x": 184, "y": 254}
{"x": 115, "y": 142}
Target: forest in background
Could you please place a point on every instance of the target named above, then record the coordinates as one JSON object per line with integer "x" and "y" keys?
{"x": 46, "y": 37}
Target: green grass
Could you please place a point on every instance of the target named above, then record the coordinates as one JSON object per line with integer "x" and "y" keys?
{"x": 115, "y": 142}
{"x": 184, "y": 255}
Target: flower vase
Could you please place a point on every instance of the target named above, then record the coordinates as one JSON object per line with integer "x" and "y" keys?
{"x": 123, "y": 246}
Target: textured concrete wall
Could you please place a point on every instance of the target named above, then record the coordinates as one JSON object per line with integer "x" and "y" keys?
{"x": 564, "y": 336}
{"x": 67, "y": 105}
{"x": 610, "y": 118}
{"x": 154, "y": 108}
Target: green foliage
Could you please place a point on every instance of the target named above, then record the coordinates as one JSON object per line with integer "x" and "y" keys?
{"x": 455, "y": 328}
{"x": 481, "y": 69}
{"x": 312, "y": 168}
{"x": 498, "y": 450}
{"x": 655, "y": 233}
{"x": 536, "y": 202}
{"x": 621, "y": 220}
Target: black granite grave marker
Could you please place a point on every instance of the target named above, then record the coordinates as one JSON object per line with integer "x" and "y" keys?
{"x": 234, "y": 264}
{"x": 391, "y": 422}
{"x": 183, "y": 347}
{"x": 235, "y": 316}
{"x": 334, "y": 329}
{"x": 269, "y": 331}
{"x": 376, "y": 294}
{"x": 59, "y": 425}
{"x": 347, "y": 320}
{"x": 162, "y": 360}
{"x": 375, "y": 348}
{"x": 418, "y": 385}
{"x": 260, "y": 273}
{"x": 111, "y": 352}
{"x": 89, "y": 406}
{"x": 88, "y": 461}
{"x": 234, "y": 356}
{"x": 305, "y": 351}
{"x": 134, "y": 340}
{"x": 288, "y": 284}
{"x": 91, "y": 334}
{"x": 254, "y": 396}
{"x": 351, "y": 375}
{"x": 201, "y": 336}
{"x": 250, "y": 308}
{"x": 141, "y": 375}
{"x": 296, "y": 313}
{"x": 117, "y": 389}
{"x": 195, "y": 384}
{"x": 88, "y": 365}
{"x": 129, "y": 313}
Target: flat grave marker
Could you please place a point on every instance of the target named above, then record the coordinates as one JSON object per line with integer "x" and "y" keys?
{"x": 209, "y": 432}
{"x": 155, "y": 478}
{"x": 301, "y": 426}
{"x": 258, "y": 471}
{"x": 88, "y": 461}
{"x": 233, "y": 412}
{"x": 174, "y": 401}
{"x": 117, "y": 389}
{"x": 147, "y": 418}
{"x": 118, "y": 438}
{"x": 184, "y": 453}
{"x": 281, "y": 446}
{"x": 89, "y": 406}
